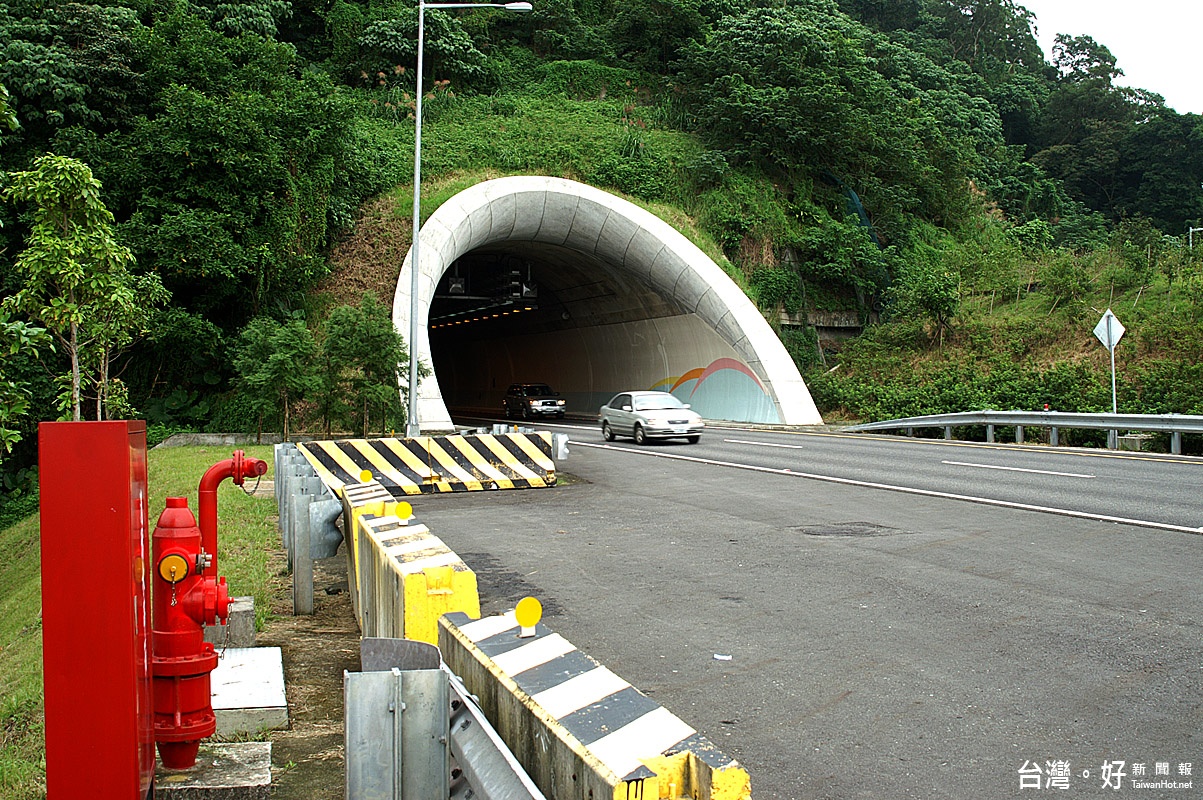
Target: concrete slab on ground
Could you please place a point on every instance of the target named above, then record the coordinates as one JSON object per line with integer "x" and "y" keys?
{"x": 248, "y": 691}
{"x": 223, "y": 771}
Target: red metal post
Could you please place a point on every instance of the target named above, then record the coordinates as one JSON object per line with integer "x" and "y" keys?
{"x": 96, "y": 610}
{"x": 237, "y": 468}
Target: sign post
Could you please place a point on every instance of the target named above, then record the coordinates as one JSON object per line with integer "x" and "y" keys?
{"x": 1109, "y": 330}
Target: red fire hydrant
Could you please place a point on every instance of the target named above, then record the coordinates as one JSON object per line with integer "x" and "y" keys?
{"x": 185, "y": 600}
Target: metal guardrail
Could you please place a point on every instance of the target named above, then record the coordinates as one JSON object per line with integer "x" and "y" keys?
{"x": 413, "y": 732}
{"x": 1173, "y": 424}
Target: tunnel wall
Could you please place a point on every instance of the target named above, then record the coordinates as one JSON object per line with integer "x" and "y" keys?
{"x": 586, "y": 219}
{"x": 588, "y": 366}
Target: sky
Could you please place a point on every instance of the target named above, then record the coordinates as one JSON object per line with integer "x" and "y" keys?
{"x": 1155, "y": 42}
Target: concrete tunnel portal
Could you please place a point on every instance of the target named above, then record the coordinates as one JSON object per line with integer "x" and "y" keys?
{"x": 535, "y": 279}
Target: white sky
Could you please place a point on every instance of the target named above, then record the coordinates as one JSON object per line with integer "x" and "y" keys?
{"x": 1156, "y": 43}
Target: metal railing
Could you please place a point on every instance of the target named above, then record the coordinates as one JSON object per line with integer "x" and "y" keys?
{"x": 1055, "y": 421}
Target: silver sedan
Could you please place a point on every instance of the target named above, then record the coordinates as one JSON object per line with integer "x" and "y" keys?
{"x": 649, "y": 415}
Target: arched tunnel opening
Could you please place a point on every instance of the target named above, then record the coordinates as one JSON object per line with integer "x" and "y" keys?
{"x": 529, "y": 312}
{"x": 534, "y": 279}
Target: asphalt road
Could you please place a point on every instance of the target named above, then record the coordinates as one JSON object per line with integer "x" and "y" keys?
{"x": 883, "y": 643}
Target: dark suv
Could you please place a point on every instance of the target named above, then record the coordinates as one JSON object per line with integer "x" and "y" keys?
{"x": 528, "y": 400}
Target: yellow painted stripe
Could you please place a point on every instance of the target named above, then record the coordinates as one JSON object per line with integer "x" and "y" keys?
{"x": 419, "y": 466}
{"x": 340, "y": 458}
{"x": 326, "y": 475}
{"x": 541, "y": 459}
{"x": 480, "y": 463}
{"x": 510, "y": 460}
{"x": 451, "y": 465}
{"x": 379, "y": 463}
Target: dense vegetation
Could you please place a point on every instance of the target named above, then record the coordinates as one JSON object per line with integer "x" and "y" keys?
{"x": 918, "y": 162}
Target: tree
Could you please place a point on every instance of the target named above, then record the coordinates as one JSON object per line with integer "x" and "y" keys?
{"x": 805, "y": 92}
{"x": 69, "y": 63}
{"x": 76, "y": 275}
{"x": 363, "y": 357}
{"x": 16, "y": 339}
{"x": 276, "y": 366}
{"x": 114, "y": 326}
{"x": 387, "y": 44}
{"x": 928, "y": 290}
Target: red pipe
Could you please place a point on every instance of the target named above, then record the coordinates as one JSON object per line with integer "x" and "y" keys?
{"x": 237, "y": 468}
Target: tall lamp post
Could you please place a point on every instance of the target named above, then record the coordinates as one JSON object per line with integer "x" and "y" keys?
{"x": 412, "y": 428}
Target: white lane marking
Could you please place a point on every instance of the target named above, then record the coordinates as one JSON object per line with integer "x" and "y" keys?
{"x": 1065, "y": 512}
{"x": 1017, "y": 469}
{"x": 766, "y": 444}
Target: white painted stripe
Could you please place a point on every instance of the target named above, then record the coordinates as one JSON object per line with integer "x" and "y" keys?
{"x": 414, "y": 545}
{"x": 539, "y": 651}
{"x": 442, "y": 560}
{"x": 763, "y": 444}
{"x": 988, "y": 501}
{"x": 1016, "y": 469}
{"x": 646, "y": 737}
{"x": 481, "y": 629}
{"x": 580, "y": 691}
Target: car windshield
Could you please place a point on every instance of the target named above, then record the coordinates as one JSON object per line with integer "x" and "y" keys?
{"x": 538, "y": 390}
{"x": 654, "y": 402}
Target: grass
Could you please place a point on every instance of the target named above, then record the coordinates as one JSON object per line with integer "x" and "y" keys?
{"x": 246, "y": 537}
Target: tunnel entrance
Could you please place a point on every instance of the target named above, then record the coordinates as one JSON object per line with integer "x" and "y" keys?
{"x": 533, "y": 279}
{"x": 495, "y": 308}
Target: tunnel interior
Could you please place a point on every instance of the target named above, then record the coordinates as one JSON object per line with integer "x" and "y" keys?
{"x": 518, "y": 313}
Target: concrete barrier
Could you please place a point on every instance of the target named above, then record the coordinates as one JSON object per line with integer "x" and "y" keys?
{"x": 403, "y": 577}
{"x": 579, "y": 730}
{"x": 433, "y": 464}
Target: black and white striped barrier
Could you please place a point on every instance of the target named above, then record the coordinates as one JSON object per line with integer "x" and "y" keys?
{"x": 579, "y": 730}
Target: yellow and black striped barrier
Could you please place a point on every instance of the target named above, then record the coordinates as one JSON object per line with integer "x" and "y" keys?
{"x": 433, "y": 464}
{"x": 579, "y": 730}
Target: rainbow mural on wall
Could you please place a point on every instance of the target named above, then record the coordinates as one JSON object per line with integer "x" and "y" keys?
{"x": 725, "y": 389}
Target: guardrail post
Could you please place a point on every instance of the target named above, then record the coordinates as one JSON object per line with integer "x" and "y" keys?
{"x": 1112, "y": 440}
{"x": 302, "y": 558}
{"x": 990, "y": 434}
{"x": 948, "y": 432}
{"x": 1176, "y": 443}
{"x": 1018, "y": 434}
{"x": 1053, "y": 438}
{"x": 396, "y": 734}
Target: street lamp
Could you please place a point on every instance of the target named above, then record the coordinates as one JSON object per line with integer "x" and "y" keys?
{"x": 412, "y": 428}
